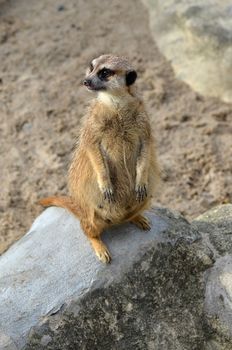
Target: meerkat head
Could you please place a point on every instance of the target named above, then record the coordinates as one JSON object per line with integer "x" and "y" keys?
{"x": 110, "y": 74}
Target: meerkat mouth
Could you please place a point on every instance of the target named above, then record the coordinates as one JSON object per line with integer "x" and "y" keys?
{"x": 95, "y": 88}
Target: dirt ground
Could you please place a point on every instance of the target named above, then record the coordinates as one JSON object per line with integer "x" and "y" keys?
{"x": 44, "y": 49}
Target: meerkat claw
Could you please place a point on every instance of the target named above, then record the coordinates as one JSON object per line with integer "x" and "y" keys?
{"x": 109, "y": 195}
{"x": 104, "y": 256}
{"x": 141, "y": 222}
{"x": 141, "y": 193}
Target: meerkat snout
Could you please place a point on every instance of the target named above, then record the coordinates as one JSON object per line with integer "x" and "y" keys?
{"x": 89, "y": 84}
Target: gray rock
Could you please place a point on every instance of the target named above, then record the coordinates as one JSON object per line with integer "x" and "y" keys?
{"x": 216, "y": 229}
{"x": 55, "y": 294}
{"x": 6, "y": 343}
{"x": 161, "y": 290}
{"x": 196, "y": 36}
{"x": 216, "y": 226}
{"x": 218, "y": 300}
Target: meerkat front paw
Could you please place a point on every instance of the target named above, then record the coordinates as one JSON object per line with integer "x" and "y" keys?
{"x": 107, "y": 190}
{"x": 141, "y": 192}
{"x": 108, "y": 194}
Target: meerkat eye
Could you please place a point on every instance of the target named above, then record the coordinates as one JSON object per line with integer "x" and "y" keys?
{"x": 105, "y": 73}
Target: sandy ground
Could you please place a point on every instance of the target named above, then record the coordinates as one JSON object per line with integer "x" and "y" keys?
{"x": 44, "y": 50}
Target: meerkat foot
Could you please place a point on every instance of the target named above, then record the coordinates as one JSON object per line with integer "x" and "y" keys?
{"x": 101, "y": 251}
{"x": 141, "y": 222}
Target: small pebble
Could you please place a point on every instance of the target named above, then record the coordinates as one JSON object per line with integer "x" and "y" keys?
{"x": 60, "y": 8}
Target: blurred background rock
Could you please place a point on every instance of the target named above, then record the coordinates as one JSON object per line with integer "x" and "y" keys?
{"x": 196, "y": 36}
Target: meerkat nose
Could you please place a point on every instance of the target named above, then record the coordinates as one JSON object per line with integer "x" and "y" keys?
{"x": 87, "y": 82}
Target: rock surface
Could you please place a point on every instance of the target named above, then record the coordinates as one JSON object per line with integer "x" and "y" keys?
{"x": 196, "y": 36}
{"x": 216, "y": 228}
{"x": 52, "y": 275}
{"x": 216, "y": 224}
{"x": 218, "y": 300}
{"x": 161, "y": 291}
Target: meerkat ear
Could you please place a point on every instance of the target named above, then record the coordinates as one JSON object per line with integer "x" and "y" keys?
{"x": 131, "y": 77}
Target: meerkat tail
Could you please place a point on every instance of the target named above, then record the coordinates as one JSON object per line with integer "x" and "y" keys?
{"x": 63, "y": 202}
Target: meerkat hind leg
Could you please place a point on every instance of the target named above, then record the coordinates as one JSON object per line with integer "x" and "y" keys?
{"x": 100, "y": 250}
{"x": 93, "y": 233}
{"x": 141, "y": 222}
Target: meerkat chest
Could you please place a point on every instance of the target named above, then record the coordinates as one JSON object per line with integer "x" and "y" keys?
{"x": 119, "y": 131}
{"x": 120, "y": 140}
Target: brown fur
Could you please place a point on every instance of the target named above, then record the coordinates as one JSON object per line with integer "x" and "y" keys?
{"x": 114, "y": 172}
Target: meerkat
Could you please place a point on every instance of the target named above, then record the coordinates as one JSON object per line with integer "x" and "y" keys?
{"x": 114, "y": 171}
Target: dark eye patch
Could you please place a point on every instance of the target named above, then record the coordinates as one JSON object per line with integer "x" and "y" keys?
{"x": 105, "y": 73}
